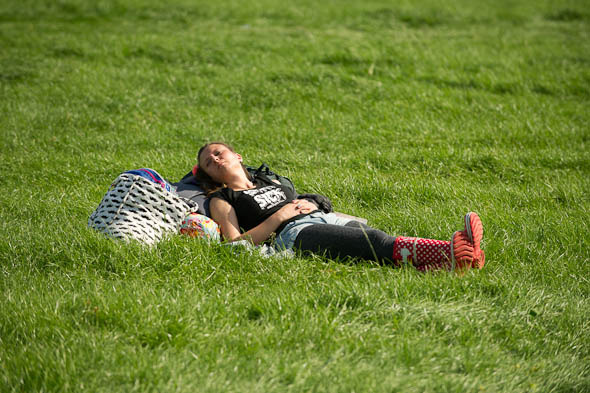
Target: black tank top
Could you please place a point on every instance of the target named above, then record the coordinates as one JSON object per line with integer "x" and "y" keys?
{"x": 255, "y": 205}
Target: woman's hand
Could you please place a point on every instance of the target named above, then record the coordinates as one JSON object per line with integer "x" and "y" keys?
{"x": 295, "y": 208}
{"x": 304, "y": 206}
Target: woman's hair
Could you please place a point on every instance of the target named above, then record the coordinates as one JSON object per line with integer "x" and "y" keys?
{"x": 208, "y": 184}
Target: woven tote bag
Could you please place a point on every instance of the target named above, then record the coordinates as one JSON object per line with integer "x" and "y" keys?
{"x": 135, "y": 208}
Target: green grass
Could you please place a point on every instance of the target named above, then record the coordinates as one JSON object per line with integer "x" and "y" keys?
{"x": 407, "y": 113}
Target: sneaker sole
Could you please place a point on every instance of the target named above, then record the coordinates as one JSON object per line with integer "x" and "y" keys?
{"x": 474, "y": 229}
{"x": 462, "y": 252}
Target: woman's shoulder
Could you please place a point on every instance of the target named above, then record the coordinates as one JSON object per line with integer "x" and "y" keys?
{"x": 263, "y": 181}
{"x": 222, "y": 193}
{"x": 226, "y": 193}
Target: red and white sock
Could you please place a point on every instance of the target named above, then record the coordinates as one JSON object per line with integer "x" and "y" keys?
{"x": 429, "y": 254}
{"x": 419, "y": 251}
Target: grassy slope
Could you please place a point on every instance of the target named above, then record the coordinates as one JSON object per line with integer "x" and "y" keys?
{"x": 407, "y": 114}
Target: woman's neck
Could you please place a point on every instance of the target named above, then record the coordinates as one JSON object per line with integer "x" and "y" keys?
{"x": 239, "y": 181}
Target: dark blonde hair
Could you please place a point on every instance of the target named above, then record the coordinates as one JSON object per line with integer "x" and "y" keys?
{"x": 208, "y": 184}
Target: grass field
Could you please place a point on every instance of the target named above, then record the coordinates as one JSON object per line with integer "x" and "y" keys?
{"x": 406, "y": 113}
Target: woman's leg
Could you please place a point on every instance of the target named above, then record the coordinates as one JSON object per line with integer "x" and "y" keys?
{"x": 361, "y": 241}
{"x": 354, "y": 240}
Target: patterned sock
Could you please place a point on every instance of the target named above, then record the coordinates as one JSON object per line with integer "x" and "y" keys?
{"x": 419, "y": 251}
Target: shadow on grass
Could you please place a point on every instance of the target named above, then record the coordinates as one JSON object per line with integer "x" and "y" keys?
{"x": 415, "y": 20}
{"x": 496, "y": 88}
{"x": 566, "y": 15}
{"x": 16, "y": 71}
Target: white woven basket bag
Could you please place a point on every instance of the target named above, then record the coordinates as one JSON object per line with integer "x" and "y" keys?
{"x": 136, "y": 208}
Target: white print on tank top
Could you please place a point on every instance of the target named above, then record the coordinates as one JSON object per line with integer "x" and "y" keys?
{"x": 267, "y": 197}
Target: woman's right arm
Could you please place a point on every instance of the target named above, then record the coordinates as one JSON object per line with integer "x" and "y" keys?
{"x": 225, "y": 215}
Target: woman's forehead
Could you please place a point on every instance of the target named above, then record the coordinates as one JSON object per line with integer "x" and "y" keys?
{"x": 209, "y": 149}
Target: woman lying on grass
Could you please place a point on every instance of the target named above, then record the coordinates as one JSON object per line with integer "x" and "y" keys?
{"x": 256, "y": 208}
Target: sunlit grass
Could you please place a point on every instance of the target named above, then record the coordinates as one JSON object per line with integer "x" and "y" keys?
{"x": 407, "y": 114}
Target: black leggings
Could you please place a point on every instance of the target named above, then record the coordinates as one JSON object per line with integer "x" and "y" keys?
{"x": 354, "y": 240}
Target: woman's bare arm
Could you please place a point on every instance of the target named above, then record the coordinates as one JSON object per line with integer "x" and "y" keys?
{"x": 225, "y": 215}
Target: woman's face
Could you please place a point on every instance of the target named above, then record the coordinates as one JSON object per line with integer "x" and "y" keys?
{"x": 218, "y": 160}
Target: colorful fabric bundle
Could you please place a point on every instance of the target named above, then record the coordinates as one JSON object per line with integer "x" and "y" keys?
{"x": 198, "y": 225}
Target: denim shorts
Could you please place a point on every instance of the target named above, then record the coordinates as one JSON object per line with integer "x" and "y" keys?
{"x": 286, "y": 238}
